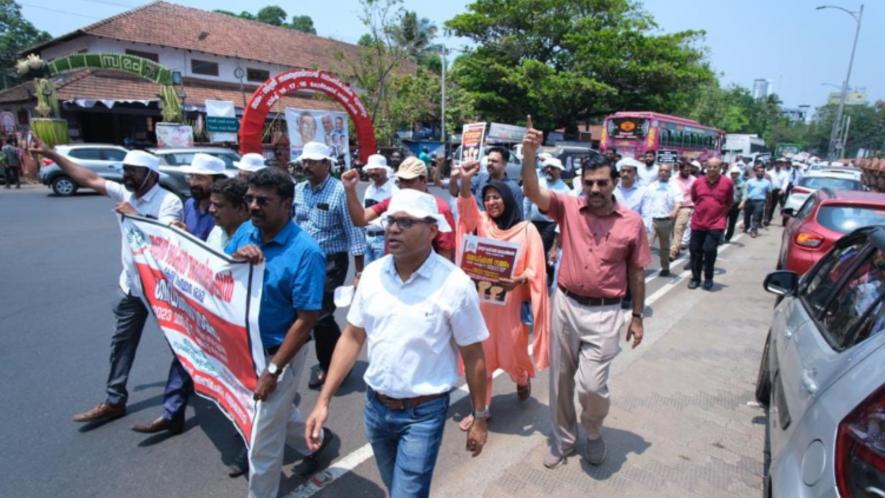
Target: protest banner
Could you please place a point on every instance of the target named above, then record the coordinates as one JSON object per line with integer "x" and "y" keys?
{"x": 505, "y": 133}
{"x": 174, "y": 135}
{"x": 328, "y": 127}
{"x": 486, "y": 261}
{"x": 207, "y": 306}
{"x": 472, "y": 140}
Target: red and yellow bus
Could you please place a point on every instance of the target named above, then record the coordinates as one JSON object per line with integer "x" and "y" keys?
{"x": 633, "y": 133}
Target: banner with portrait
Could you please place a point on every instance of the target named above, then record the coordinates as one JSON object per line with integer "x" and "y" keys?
{"x": 329, "y": 127}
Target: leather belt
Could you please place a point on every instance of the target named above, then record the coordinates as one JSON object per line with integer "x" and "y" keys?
{"x": 374, "y": 233}
{"x": 590, "y": 301}
{"x": 664, "y": 218}
{"x": 400, "y": 404}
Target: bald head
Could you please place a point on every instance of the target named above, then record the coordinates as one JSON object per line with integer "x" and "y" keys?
{"x": 714, "y": 168}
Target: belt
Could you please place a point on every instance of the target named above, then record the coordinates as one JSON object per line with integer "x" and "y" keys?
{"x": 590, "y": 301}
{"x": 272, "y": 351}
{"x": 374, "y": 233}
{"x": 400, "y": 404}
{"x": 663, "y": 218}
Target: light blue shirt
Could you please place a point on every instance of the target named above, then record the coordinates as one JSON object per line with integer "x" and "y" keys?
{"x": 660, "y": 199}
{"x": 757, "y": 190}
{"x": 632, "y": 198}
{"x": 530, "y": 210}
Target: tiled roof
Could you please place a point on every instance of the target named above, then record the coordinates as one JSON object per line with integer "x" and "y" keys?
{"x": 177, "y": 26}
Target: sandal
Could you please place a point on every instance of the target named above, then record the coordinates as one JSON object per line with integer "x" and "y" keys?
{"x": 524, "y": 392}
{"x": 465, "y": 423}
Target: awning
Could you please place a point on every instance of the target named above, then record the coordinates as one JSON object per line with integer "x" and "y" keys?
{"x": 109, "y": 103}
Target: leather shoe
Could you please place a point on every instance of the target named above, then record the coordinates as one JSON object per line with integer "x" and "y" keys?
{"x": 311, "y": 463}
{"x": 160, "y": 424}
{"x": 693, "y": 284}
{"x": 708, "y": 284}
{"x": 240, "y": 464}
{"x": 317, "y": 378}
{"x": 665, "y": 273}
{"x": 102, "y": 411}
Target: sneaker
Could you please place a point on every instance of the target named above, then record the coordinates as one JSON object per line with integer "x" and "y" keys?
{"x": 595, "y": 452}
{"x": 664, "y": 273}
{"x": 552, "y": 459}
{"x": 708, "y": 284}
{"x": 693, "y": 284}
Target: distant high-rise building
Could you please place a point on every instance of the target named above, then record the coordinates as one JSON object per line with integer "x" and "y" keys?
{"x": 761, "y": 88}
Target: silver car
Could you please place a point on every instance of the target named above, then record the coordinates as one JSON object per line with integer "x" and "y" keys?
{"x": 823, "y": 374}
{"x": 104, "y": 159}
{"x": 171, "y": 160}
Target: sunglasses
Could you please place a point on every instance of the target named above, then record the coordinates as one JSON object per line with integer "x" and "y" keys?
{"x": 598, "y": 183}
{"x": 258, "y": 199}
{"x": 405, "y": 223}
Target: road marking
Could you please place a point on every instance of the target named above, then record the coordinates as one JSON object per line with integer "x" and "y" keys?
{"x": 321, "y": 479}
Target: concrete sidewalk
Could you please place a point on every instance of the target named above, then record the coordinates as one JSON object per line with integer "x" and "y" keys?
{"x": 682, "y": 421}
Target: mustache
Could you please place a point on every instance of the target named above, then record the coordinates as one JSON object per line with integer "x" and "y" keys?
{"x": 256, "y": 214}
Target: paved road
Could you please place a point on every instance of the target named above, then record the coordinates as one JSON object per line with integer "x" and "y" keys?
{"x": 59, "y": 260}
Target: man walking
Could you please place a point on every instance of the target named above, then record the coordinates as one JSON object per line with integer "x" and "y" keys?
{"x": 712, "y": 195}
{"x": 684, "y": 180}
{"x": 228, "y": 207}
{"x": 321, "y": 210}
{"x": 604, "y": 244}
{"x": 381, "y": 188}
{"x": 13, "y": 163}
{"x": 141, "y": 194}
{"x": 496, "y": 169}
{"x": 628, "y": 192}
{"x": 758, "y": 193}
{"x": 649, "y": 172}
{"x": 735, "y": 211}
{"x": 663, "y": 200}
{"x": 291, "y": 300}
{"x": 418, "y": 311}
{"x": 551, "y": 178}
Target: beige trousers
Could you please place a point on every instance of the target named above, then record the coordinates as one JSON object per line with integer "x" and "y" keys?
{"x": 584, "y": 342}
{"x": 683, "y": 217}
{"x": 663, "y": 229}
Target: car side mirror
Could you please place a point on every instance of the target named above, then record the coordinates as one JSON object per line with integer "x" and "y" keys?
{"x": 781, "y": 283}
{"x": 788, "y": 212}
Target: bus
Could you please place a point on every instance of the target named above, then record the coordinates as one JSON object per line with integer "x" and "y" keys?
{"x": 670, "y": 137}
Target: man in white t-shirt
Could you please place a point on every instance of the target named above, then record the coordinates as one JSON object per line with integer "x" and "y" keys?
{"x": 227, "y": 203}
{"x": 382, "y": 187}
{"x": 139, "y": 194}
{"x": 649, "y": 170}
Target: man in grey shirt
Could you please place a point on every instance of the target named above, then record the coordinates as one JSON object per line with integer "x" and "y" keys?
{"x": 13, "y": 162}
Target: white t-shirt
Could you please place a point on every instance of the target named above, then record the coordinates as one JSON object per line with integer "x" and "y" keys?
{"x": 376, "y": 195}
{"x": 414, "y": 327}
{"x": 217, "y": 238}
{"x": 646, "y": 175}
{"x": 158, "y": 203}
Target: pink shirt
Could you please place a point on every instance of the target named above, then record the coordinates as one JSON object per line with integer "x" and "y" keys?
{"x": 685, "y": 184}
{"x": 596, "y": 250}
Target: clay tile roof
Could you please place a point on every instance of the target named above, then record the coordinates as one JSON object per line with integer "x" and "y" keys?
{"x": 177, "y": 26}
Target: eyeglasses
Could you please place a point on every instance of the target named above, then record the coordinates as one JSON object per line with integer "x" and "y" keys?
{"x": 405, "y": 223}
{"x": 258, "y": 199}
{"x": 598, "y": 183}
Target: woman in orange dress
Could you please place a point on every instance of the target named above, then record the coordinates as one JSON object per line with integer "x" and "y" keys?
{"x": 507, "y": 346}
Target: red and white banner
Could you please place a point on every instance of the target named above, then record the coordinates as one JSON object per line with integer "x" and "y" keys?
{"x": 207, "y": 306}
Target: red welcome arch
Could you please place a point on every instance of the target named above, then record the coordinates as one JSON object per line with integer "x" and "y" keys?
{"x": 261, "y": 102}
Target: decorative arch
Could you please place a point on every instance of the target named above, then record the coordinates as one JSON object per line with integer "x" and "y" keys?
{"x": 261, "y": 102}
{"x": 131, "y": 64}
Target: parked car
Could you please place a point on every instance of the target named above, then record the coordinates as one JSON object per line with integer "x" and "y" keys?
{"x": 571, "y": 155}
{"x": 514, "y": 165}
{"x": 822, "y": 374}
{"x": 825, "y": 217}
{"x": 171, "y": 160}
{"x": 816, "y": 180}
{"x": 104, "y": 159}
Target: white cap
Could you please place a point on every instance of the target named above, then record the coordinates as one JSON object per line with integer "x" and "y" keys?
{"x": 252, "y": 162}
{"x": 734, "y": 169}
{"x": 315, "y": 151}
{"x": 376, "y": 161}
{"x": 630, "y": 163}
{"x": 204, "y": 164}
{"x": 417, "y": 205}
{"x": 142, "y": 159}
{"x": 553, "y": 163}
{"x": 696, "y": 163}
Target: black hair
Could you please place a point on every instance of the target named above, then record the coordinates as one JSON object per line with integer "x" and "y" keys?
{"x": 505, "y": 154}
{"x": 232, "y": 189}
{"x": 274, "y": 179}
{"x": 596, "y": 162}
{"x": 650, "y": 152}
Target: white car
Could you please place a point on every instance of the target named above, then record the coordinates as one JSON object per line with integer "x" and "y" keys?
{"x": 814, "y": 180}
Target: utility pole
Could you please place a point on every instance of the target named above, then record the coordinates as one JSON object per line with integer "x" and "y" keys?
{"x": 837, "y": 122}
{"x": 442, "y": 100}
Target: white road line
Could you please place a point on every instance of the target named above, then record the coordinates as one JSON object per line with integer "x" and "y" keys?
{"x": 350, "y": 461}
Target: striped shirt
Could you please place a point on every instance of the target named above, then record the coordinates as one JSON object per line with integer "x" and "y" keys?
{"x": 321, "y": 211}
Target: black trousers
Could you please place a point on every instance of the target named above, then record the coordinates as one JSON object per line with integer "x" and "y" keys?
{"x": 733, "y": 215}
{"x": 326, "y": 332}
{"x": 776, "y": 195}
{"x": 13, "y": 175}
{"x": 547, "y": 229}
{"x": 703, "y": 247}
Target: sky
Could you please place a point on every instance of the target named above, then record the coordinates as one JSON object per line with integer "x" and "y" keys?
{"x": 803, "y": 51}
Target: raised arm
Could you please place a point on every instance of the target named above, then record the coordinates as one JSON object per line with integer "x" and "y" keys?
{"x": 84, "y": 177}
{"x": 530, "y": 185}
{"x": 358, "y": 215}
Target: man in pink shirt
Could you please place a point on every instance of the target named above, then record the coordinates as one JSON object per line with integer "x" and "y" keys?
{"x": 712, "y": 195}
{"x": 603, "y": 244}
{"x": 684, "y": 180}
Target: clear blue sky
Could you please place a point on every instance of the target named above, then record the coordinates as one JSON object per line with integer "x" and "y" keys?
{"x": 786, "y": 41}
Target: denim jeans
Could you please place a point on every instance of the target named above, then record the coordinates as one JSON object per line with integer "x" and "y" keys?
{"x": 131, "y": 315}
{"x": 374, "y": 248}
{"x": 756, "y": 208}
{"x": 406, "y": 443}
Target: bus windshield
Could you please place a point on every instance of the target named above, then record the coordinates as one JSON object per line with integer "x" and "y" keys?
{"x": 627, "y": 128}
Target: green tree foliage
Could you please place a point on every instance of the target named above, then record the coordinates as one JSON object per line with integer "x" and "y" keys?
{"x": 272, "y": 14}
{"x": 865, "y": 131}
{"x": 303, "y": 24}
{"x": 565, "y": 61}
{"x": 16, "y": 35}
{"x": 276, "y": 16}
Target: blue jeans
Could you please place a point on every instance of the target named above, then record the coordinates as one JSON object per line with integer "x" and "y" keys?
{"x": 406, "y": 443}
{"x": 374, "y": 247}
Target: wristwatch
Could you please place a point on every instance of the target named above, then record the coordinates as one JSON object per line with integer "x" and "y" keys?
{"x": 273, "y": 369}
{"x": 481, "y": 414}
{"x": 637, "y": 315}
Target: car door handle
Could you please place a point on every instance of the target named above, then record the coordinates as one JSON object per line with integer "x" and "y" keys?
{"x": 808, "y": 381}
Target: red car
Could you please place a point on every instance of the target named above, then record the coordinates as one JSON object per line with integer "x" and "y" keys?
{"x": 825, "y": 217}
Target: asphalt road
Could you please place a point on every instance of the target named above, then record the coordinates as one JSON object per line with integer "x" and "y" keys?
{"x": 59, "y": 263}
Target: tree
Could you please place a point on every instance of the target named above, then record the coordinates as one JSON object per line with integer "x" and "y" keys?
{"x": 303, "y": 23}
{"x": 16, "y": 35}
{"x": 272, "y": 14}
{"x": 415, "y": 36}
{"x": 564, "y": 61}
{"x": 276, "y": 16}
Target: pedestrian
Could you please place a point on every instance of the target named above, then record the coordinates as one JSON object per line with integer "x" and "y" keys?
{"x": 203, "y": 171}
{"x": 13, "y": 162}
{"x": 410, "y": 175}
{"x": 712, "y": 196}
{"x": 395, "y": 159}
{"x": 139, "y": 194}
{"x": 663, "y": 201}
{"x": 321, "y": 210}
{"x": 496, "y": 169}
{"x": 228, "y": 207}
{"x": 507, "y": 347}
{"x": 684, "y": 180}
{"x": 737, "y": 204}
{"x": 250, "y": 163}
{"x": 604, "y": 244}
{"x": 628, "y": 192}
{"x": 776, "y": 176}
{"x": 418, "y": 312}
{"x": 649, "y": 172}
{"x": 380, "y": 189}
{"x": 424, "y": 156}
{"x": 758, "y": 193}
{"x": 551, "y": 178}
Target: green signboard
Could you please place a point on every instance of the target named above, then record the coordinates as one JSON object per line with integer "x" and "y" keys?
{"x": 218, "y": 124}
{"x": 131, "y": 64}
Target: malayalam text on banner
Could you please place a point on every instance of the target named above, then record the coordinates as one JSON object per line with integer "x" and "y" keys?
{"x": 487, "y": 261}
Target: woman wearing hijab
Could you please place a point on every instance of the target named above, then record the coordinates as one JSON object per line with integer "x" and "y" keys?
{"x": 507, "y": 346}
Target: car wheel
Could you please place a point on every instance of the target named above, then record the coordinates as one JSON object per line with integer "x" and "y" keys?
{"x": 763, "y": 379}
{"x": 63, "y": 186}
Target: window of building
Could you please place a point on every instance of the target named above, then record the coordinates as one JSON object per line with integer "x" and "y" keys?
{"x": 204, "y": 67}
{"x": 259, "y": 75}
{"x": 145, "y": 55}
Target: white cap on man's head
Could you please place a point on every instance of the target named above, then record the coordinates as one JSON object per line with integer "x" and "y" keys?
{"x": 734, "y": 169}
{"x": 316, "y": 151}
{"x": 204, "y": 164}
{"x": 142, "y": 159}
{"x": 629, "y": 162}
{"x": 696, "y": 163}
{"x": 376, "y": 161}
{"x": 417, "y": 205}
{"x": 251, "y": 162}
{"x": 553, "y": 163}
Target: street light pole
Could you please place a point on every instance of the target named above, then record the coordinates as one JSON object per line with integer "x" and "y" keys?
{"x": 442, "y": 100}
{"x": 835, "y": 142}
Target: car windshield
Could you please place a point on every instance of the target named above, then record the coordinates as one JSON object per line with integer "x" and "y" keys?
{"x": 817, "y": 182}
{"x": 185, "y": 158}
{"x": 844, "y": 219}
